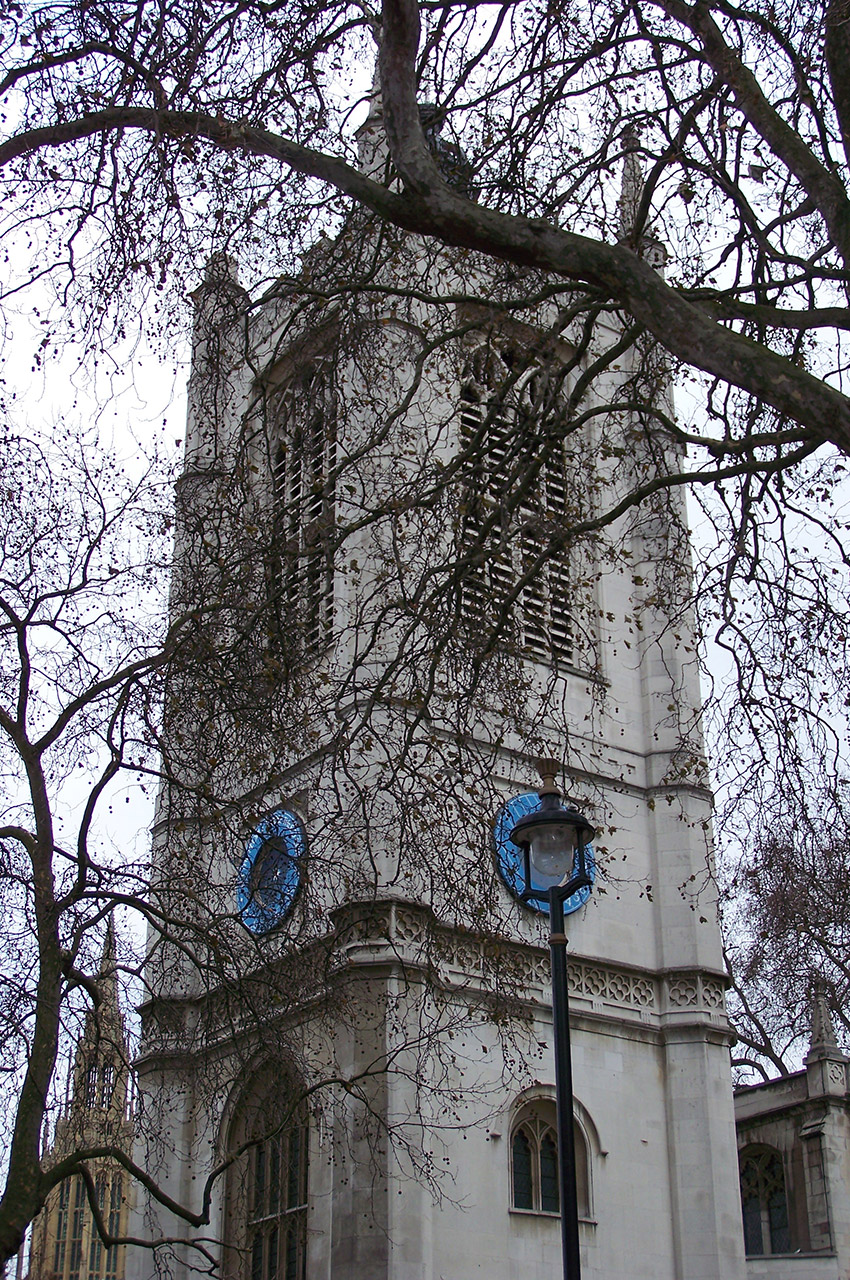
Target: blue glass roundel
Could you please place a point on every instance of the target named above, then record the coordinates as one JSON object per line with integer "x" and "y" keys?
{"x": 270, "y": 874}
{"x": 509, "y": 856}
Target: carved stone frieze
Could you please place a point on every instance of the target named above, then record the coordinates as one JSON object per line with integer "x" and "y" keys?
{"x": 463, "y": 957}
{"x": 838, "y": 1074}
{"x": 695, "y": 990}
{"x": 392, "y": 933}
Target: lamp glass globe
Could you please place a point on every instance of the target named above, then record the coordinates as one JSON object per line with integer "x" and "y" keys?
{"x": 552, "y": 849}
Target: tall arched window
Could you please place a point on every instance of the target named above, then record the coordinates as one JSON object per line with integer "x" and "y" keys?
{"x": 61, "y": 1227}
{"x": 96, "y": 1244}
{"x": 764, "y": 1202}
{"x": 534, "y": 1161}
{"x": 113, "y": 1253}
{"x": 77, "y": 1232}
{"x": 267, "y": 1186}
{"x": 107, "y": 1084}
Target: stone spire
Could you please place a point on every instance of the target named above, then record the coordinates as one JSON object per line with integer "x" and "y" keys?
{"x": 826, "y": 1065}
{"x": 372, "y": 149}
{"x": 647, "y": 244}
{"x": 823, "y": 1043}
{"x": 218, "y": 349}
{"x": 631, "y": 184}
{"x": 64, "y": 1238}
{"x": 101, "y": 1071}
{"x": 107, "y": 976}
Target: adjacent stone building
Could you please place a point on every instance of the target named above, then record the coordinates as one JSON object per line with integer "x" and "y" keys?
{"x": 794, "y": 1157}
{"x": 65, "y": 1242}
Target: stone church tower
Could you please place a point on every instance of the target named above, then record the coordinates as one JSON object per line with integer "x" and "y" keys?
{"x": 65, "y": 1241}
{"x": 347, "y": 1068}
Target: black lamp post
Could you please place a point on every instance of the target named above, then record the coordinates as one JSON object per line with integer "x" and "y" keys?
{"x": 554, "y": 842}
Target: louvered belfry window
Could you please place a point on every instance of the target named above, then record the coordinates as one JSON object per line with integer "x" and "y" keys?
{"x": 507, "y": 521}
{"x": 304, "y": 460}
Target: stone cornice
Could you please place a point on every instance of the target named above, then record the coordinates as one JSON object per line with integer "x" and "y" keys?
{"x": 374, "y": 939}
{"x": 405, "y": 932}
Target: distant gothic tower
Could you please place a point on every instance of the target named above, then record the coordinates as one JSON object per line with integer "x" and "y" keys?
{"x": 65, "y": 1242}
{"x": 392, "y": 625}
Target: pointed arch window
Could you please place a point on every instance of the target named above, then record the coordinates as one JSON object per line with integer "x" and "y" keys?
{"x": 61, "y": 1227}
{"x": 71, "y": 1239}
{"x": 107, "y": 1084}
{"x": 303, "y": 464}
{"x": 764, "y": 1202}
{"x": 116, "y": 1201}
{"x": 78, "y": 1222}
{"x": 512, "y": 584}
{"x": 267, "y": 1185}
{"x": 96, "y": 1244}
{"x": 534, "y": 1162}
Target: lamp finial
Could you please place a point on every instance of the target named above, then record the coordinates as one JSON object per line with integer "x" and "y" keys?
{"x": 549, "y": 769}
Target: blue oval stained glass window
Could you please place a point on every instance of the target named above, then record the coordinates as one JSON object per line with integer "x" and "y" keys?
{"x": 271, "y": 871}
{"x": 509, "y": 856}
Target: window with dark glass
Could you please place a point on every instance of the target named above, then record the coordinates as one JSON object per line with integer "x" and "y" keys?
{"x": 96, "y": 1246}
{"x": 61, "y": 1228}
{"x": 78, "y": 1217}
{"x": 534, "y": 1162}
{"x": 114, "y": 1227}
{"x": 267, "y": 1188}
{"x": 276, "y": 1217}
{"x": 764, "y": 1202}
{"x": 512, "y": 583}
{"x": 107, "y": 1084}
{"x": 304, "y": 461}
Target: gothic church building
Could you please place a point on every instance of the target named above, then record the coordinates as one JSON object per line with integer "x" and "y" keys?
{"x": 372, "y": 520}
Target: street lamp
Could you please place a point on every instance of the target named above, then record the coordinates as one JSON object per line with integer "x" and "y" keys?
{"x": 554, "y": 842}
